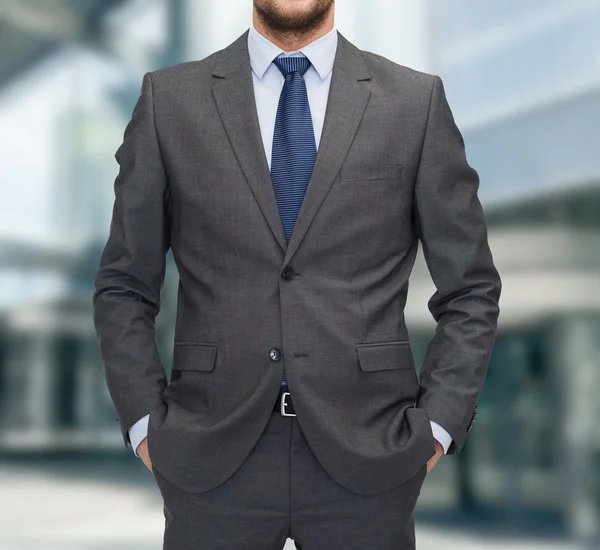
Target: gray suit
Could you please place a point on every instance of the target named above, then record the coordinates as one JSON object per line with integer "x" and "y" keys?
{"x": 390, "y": 170}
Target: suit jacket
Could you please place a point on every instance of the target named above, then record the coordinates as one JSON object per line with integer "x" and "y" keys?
{"x": 390, "y": 171}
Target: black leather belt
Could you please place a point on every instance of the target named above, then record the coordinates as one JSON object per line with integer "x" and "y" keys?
{"x": 284, "y": 402}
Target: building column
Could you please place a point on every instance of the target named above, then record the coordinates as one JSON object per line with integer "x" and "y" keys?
{"x": 38, "y": 398}
{"x": 576, "y": 340}
{"x": 397, "y": 30}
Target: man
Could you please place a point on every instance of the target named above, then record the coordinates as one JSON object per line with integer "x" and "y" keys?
{"x": 293, "y": 408}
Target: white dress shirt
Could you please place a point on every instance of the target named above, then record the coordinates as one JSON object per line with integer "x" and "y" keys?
{"x": 268, "y": 83}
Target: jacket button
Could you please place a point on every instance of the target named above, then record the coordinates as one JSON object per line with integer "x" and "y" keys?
{"x": 288, "y": 273}
{"x": 275, "y": 354}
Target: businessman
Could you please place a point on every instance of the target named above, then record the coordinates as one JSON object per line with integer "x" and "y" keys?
{"x": 293, "y": 175}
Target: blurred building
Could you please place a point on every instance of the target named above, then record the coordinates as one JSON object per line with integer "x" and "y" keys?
{"x": 523, "y": 82}
{"x": 522, "y": 79}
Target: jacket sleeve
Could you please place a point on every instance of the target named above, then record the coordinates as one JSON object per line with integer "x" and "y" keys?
{"x": 452, "y": 230}
{"x": 132, "y": 269}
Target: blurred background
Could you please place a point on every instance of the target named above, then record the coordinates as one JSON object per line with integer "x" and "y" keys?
{"x": 523, "y": 80}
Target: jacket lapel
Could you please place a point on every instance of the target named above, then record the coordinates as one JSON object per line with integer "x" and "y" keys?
{"x": 234, "y": 97}
{"x": 235, "y": 101}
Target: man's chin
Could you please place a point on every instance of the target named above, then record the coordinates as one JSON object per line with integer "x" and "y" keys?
{"x": 301, "y": 17}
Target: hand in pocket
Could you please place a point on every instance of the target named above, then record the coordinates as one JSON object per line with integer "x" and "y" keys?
{"x": 142, "y": 451}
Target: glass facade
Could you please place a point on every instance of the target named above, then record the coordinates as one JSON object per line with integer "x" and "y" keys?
{"x": 523, "y": 81}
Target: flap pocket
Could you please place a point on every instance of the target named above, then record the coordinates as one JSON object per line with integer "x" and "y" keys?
{"x": 194, "y": 356}
{"x": 394, "y": 354}
{"x": 376, "y": 172}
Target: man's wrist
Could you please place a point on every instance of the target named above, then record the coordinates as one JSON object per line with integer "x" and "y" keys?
{"x": 138, "y": 432}
{"x": 441, "y": 435}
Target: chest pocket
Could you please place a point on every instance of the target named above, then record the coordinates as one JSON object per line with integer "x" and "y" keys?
{"x": 367, "y": 173}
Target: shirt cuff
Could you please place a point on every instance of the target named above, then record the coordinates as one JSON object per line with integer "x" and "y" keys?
{"x": 441, "y": 435}
{"x": 138, "y": 432}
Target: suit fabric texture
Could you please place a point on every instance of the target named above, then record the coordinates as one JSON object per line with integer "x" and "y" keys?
{"x": 282, "y": 492}
{"x": 390, "y": 171}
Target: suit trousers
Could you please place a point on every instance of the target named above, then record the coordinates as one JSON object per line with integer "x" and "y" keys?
{"x": 281, "y": 491}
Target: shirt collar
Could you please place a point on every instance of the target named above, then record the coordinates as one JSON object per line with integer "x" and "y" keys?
{"x": 320, "y": 52}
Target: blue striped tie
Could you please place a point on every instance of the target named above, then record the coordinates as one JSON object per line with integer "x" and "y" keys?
{"x": 294, "y": 146}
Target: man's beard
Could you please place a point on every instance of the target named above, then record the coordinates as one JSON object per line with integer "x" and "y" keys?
{"x": 294, "y": 23}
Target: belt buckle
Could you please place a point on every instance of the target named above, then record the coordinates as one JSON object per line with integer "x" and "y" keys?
{"x": 284, "y": 404}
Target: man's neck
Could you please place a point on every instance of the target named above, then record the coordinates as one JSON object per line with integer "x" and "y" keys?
{"x": 292, "y": 40}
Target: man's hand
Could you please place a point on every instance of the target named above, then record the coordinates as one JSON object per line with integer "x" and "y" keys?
{"x": 142, "y": 451}
{"x": 439, "y": 451}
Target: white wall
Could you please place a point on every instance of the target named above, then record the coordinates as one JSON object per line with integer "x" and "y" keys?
{"x": 396, "y": 29}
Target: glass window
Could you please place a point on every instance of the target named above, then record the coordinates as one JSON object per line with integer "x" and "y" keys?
{"x": 530, "y": 68}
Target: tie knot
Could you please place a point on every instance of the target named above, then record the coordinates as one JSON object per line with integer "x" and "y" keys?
{"x": 289, "y": 64}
